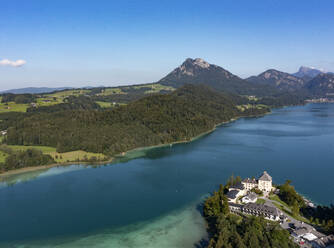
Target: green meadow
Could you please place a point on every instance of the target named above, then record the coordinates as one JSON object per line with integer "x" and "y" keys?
{"x": 73, "y": 156}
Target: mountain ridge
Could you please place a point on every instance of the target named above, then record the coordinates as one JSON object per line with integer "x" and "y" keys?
{"x": 278, "y": 79}
{"x": 198, "y": 71}
{"x": 321, "y": 85}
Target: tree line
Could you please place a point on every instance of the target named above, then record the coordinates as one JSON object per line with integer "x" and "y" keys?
{"x": 24, "y": 158}
{"x": 18, "y": 98}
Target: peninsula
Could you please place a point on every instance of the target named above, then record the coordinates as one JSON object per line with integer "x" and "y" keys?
{"x": 243, "y": 213}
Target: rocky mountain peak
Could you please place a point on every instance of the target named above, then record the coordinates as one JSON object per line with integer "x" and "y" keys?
{"x": 199, "y": 72}
{"x": 201, "y": 63}
{"x": 192, "y": 66}
{"x": 310, "y": 72}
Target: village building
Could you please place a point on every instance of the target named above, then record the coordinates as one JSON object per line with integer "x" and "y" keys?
{"x": 249, "y": 184}
{"x": 304, "y": 233}
{"x": 233, "y": 195}
{"x": 238, "y": 186}
{"x": 264, "y": 183}
{"x": 235, "y": 191}
{"x": 235, "y": 208}
{"x": 266, "y": 211}
{"x": 263, "y": 210}
{"x": 239, "y": 190}
{"x": 324, "y": 242}
{"x": 251, "y": 197}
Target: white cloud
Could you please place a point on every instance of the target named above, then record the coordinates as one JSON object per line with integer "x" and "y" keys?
{"x": 17, "y": 63}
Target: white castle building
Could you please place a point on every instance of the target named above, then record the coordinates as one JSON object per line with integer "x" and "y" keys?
{"x": 264, "y": 183}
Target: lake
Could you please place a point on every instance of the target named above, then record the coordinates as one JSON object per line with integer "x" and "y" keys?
{"x": 153, "y": 200}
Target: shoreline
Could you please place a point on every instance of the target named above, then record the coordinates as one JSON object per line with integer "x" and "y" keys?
{"x": 5, "y": 174}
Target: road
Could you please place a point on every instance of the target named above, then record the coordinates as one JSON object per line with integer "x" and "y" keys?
{"x": 297, "y": 223}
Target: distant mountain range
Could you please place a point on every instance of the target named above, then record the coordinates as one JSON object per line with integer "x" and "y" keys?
{"x": 307, "y": 81}
{"x": 321, "y": 85}
{"x": 40, "y": 90}
{"x": 34, "y": 90}
{"x": 307, "y": 72}
{"x": 279, "y": 80}
{"x": 197, "y": 71}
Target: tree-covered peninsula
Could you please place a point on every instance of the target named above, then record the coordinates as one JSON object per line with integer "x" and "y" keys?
{"x": 229, "y": 230}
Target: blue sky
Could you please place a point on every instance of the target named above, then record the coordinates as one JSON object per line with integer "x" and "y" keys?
{"x": 80, "y": 43}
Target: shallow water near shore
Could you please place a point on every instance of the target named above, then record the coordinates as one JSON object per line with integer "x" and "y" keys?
{"x": 152, "y": 201}
{"x": 160, "y": 232}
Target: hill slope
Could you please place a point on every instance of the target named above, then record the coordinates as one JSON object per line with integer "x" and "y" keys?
{"x": 157, "y": 119}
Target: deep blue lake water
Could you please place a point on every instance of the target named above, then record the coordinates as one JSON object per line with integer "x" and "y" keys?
{"x": 151, "y": 201}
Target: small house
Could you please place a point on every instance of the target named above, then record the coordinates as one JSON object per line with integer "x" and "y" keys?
{"x": 251, "y": 197}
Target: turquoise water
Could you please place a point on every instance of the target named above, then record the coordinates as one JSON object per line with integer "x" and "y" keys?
{"x": 152, "y": 201}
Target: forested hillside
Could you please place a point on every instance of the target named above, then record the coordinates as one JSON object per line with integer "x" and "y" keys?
{"x": 152, "y": 120}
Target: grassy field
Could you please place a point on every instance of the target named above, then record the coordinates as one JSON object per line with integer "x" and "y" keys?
{"x": 249, "y": 106}
{"x": 156, "y": 88}
{"x": 75, "y": 156}
{"x": 49, "y": 101}
{"x": 66, "y": 93}
{"x": 260, "y": 201}
{"x": 62, "y": 157}
{"x": 105, "y": 104}
{"x": 13, "y": 107}
{"x": 297, "y": 217}
{"x": 276, "y": 198}
{"x": 282, "y": 205}
{"x": 41, "y": 100}
{"x": 111, "y": 91}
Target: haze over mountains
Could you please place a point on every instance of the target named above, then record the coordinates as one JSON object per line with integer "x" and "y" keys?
{"x": 308, "y": 72}
{"x": 34, "y": 90}
{"x": 309, "y": 81}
